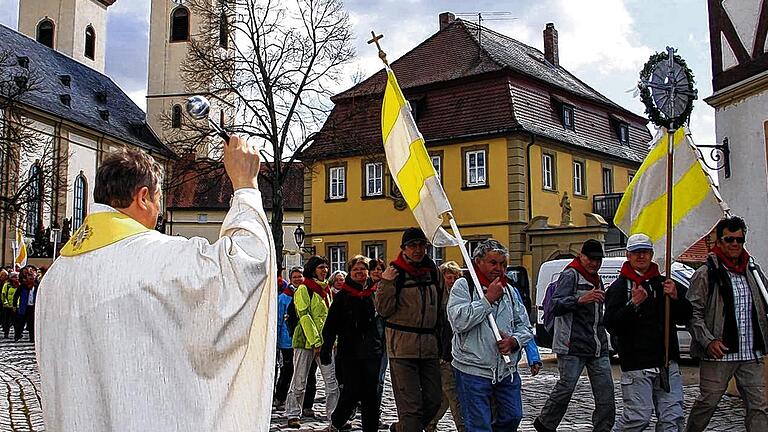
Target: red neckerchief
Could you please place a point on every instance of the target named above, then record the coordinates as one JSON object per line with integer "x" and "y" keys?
{"x": 409, "y": 268}
{"x": 356, "y": 290}
{"x": 628, "y": 272}
{"x": 484, "y": 282}
{"x": 739, "y": 266}
{"x": 288, "y": 291}
{"x": 316, "y": 288}
{"x": 594, "y": 279}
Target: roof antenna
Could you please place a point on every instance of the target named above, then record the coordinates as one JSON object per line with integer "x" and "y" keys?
{"x": 494, "y": 16}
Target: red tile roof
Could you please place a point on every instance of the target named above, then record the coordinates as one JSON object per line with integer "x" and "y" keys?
{"x": 203, "y": 184}
{"x": 462, "y": 86}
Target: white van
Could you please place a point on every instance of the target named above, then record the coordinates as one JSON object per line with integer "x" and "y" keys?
{"x": 609, "y": 272}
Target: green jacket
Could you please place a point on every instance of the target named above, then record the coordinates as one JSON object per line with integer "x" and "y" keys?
{"x": 312, "y": 312}
{"x": 7, "y": 295}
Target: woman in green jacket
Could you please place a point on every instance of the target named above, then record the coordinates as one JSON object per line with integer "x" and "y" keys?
{"x": 312, "y": 301}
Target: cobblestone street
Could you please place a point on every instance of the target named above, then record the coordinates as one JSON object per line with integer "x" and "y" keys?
{"x": 20, "y": 409}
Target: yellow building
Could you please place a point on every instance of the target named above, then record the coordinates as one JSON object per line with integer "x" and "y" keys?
{"x": 510, "y": 133}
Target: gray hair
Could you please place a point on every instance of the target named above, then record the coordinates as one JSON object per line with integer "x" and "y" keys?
{"x": 487, "y": 246}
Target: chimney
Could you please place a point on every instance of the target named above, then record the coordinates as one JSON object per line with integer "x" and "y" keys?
{"x": 446, "y": 18}
{"x": 551, "y": 52}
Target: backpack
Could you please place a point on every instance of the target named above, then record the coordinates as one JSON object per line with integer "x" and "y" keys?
{"x": 549, "y": 312}
{"x": 291, "y": 317}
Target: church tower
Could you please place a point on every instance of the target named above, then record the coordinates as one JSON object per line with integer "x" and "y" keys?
{"x": 77, "y": 28}
{"x": 173, "y": 24}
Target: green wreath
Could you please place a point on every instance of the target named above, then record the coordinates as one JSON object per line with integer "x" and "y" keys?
{"x": 654, "y": 115}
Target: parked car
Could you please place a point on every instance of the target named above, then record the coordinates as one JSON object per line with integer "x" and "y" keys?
{"x": 609, "y": 272}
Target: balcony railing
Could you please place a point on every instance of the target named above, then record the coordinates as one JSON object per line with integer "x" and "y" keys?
{"x": 606, "y": 205}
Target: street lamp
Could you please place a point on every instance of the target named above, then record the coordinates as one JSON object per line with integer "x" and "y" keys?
{"x": 55, "y": 239}
{"x": 299, "y": 235}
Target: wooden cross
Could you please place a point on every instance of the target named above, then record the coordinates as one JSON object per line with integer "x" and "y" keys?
{"x": 382, "y": 54}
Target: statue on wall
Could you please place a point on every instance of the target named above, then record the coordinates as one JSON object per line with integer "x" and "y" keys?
{"x": 565, "y": 203}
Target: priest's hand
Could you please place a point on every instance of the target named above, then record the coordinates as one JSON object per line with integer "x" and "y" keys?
{"x": 242, "y": 163}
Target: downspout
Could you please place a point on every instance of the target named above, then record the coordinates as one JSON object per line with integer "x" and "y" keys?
{"x": 528, "y": 167}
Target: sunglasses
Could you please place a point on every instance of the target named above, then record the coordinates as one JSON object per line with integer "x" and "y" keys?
{"x": 731, "y": 239}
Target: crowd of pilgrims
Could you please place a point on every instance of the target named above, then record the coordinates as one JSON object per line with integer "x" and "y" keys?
{"x": 18, "y": 295}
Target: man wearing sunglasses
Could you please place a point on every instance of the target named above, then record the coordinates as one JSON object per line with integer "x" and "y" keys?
{"x": 729, "y": 329}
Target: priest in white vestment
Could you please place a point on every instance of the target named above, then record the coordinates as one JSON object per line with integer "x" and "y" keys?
{"x": 141, "y": 332}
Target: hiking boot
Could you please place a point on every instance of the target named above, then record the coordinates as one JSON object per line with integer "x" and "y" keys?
{"x": 294, "y": 423}
{"x": 540, "y": 427}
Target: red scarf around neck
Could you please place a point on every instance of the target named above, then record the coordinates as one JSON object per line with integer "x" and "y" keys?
{"x": 628, "y": 272}
{"x": 484, "y": 282}
{"x": 594, "y": 279}
{"x": 356, "y": 290}
{"x": 739, "y": 266}
{"x": 409, "y": 268}
{"x": 312, "y": 284}
{"x": 288, "y": 291}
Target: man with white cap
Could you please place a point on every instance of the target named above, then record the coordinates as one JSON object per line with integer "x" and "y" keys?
{"x": 634, "y": 314}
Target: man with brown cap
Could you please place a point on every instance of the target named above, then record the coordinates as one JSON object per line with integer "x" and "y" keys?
{"x": 409, "y": 299}
{"x": 580, "y": 341}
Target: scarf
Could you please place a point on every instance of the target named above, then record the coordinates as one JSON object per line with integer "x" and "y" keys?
{"x": 320, "y": 288}
{"x": 739, "y": 266}
{"x": 628, "y": 272}
{"x": 594, "y": 279}
{"x": 417, "y": 271}
{"x": 484, "y": 282}
{"x": 357, "y": 290}
{"x": 289, "y": 291}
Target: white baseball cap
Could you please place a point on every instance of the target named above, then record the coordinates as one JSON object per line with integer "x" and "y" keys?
{"x": 637, "y": 242}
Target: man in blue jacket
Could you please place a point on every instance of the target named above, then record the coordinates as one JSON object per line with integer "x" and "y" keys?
{"x": 25, "y": 299}
{"x": 479, "y": 366}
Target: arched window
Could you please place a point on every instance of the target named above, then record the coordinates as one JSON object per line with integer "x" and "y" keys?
{"x": 176, "y": 117}
{"x": 180, "y": 24}
{"x": 223, "y": 30}
{"x": 90, "y": 42}
{"x": 81, "y": 201}
{"x": 34, "y": 199}
{"x": 45, "y": 32}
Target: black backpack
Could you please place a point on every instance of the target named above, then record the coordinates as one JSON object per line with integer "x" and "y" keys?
{"x": 291, "y": 317}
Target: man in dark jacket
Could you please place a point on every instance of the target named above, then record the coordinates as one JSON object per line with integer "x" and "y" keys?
{"x": 634, "y": 313}
{"x": 729, "y": 328}
{"x": 24, "y": 298}
{"x": 409, "y": 298}
{"x": 580, "y": 341}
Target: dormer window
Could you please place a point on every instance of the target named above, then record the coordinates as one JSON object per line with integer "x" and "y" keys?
{"x": 624, "y": 133}
{"x": 568, "y": 116}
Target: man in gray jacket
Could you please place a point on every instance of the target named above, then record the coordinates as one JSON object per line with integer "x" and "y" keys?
{"x": 480, "y": 370}
{"x": 580, "y": 341}
{"x": 729, "y": 329}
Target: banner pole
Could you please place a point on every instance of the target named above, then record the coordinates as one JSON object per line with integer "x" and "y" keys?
{"x": 478, "y": 287}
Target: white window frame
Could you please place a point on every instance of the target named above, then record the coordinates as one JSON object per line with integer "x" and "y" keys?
{"x": 624, "y": 133}
{"x": 437, "y": 254}
{"x": 630, "y": 177}
{"x": 374, "y": 179}
{"x": 437, "y": 163}
{"x": 568, "y": 115}
{"x": 337, "y": 183}
{"x": 547, "y": 171}
{"x": 337, "y": 257}
{"x": 578, "y": 178}
{"x": 480, "y": 172}
{"x": 607, "y": 180}
{"x": 378, "y": 248}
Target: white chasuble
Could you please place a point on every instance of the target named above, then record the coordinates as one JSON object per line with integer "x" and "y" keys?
{"x": 159, "y": 333}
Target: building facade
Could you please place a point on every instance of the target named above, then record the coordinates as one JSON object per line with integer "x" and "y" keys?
{"x": 510, "y": 133}
{"x": 739, "y": 48}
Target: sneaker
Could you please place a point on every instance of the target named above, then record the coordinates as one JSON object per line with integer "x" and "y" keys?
{"x": 308, "y": 413}
{"x": 294, "y": 423}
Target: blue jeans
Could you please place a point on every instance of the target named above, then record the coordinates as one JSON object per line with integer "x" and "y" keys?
{"x": 599, "y": 372}
{"x": 642, "y": 394}
{"x": 475, "y": 395}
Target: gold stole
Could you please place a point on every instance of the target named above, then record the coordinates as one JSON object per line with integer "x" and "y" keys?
{"x": 99, "y": 230}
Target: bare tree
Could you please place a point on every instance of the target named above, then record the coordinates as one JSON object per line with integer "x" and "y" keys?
{"x": 272, "y": 65}
{"x": 32, "y": 163}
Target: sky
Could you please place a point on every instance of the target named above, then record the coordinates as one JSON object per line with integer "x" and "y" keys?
{"x": 605, "y": 43}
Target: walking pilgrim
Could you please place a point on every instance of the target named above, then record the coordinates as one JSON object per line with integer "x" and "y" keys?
{"x": 202, "y": 357}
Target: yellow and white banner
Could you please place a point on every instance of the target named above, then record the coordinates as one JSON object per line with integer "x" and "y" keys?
{"x": 411, "y": 166}
{"x": 696, "y": 205}
{"x": 21, "y": 250}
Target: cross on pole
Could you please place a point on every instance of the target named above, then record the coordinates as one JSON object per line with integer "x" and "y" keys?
{"x": 375, "y": 40}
